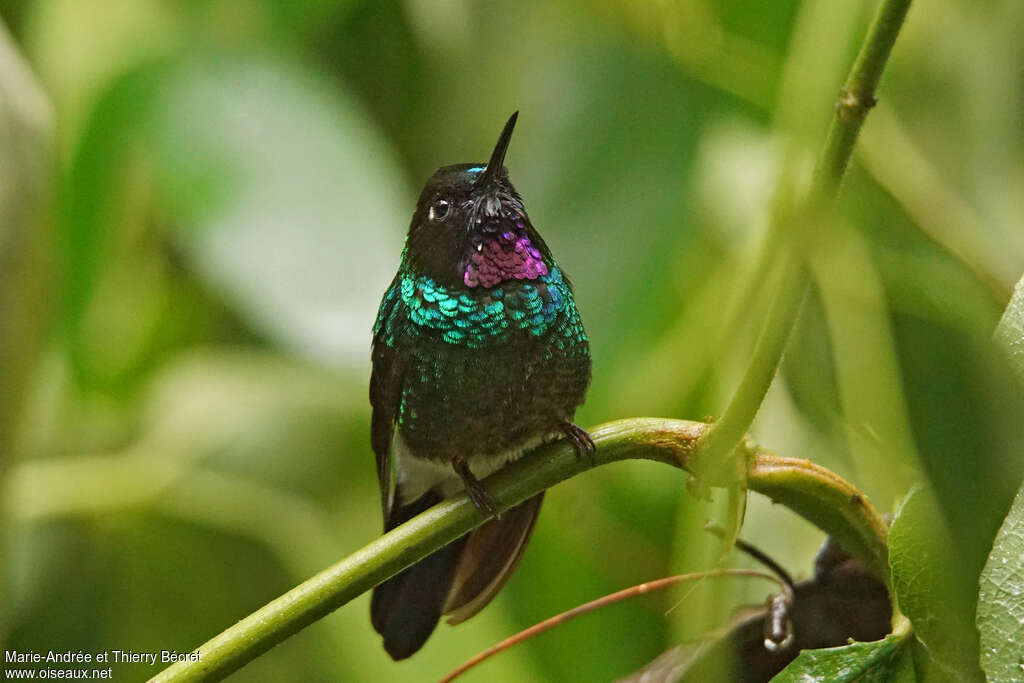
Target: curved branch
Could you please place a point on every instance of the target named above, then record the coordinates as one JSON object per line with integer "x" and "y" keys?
{"x": 822, "y": 497}
{"x": 827, "y": 500}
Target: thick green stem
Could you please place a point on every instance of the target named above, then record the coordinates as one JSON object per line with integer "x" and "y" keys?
{"x": 826, "y": 499}
{"x": 819, "y": 495}
{"x": 856, "y": 99}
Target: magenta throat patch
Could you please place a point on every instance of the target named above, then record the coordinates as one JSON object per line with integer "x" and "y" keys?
{"x": 505, "y": 256}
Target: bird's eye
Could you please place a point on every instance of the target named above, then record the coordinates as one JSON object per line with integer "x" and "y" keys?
{"x": 439, "y": 210}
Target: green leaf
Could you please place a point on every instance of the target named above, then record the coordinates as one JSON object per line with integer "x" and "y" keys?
{"x": 884, "y": 661}
{"x": 92, "y": 216}
{"x": 1010, "y": 331}
{"x": 276, "y": 188}
{"x": 931, "y": 588}
{"x": 1000, "y": 604}
{"x": 284, "y": 196}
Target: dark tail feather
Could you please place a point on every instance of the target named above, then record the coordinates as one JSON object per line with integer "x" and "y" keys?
{"x": 491, "y": 554}
{"x": 459, "y": 580}
{"x": 405, "y": 608}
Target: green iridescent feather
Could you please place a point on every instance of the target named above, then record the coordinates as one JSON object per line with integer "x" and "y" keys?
{"x": 487, "y": 369}
{"x": 482, "y": 318}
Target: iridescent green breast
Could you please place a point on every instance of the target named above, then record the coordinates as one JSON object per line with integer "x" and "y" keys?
{"x": 480, "y": 318}
{"x": 486, "y": 370}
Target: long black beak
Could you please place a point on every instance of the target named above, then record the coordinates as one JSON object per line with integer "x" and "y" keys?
{"x": 498, "y": 155}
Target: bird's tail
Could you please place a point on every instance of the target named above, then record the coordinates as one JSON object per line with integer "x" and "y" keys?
{"x": 458, "y": 580}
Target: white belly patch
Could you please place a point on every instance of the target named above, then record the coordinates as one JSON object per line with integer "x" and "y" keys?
{"x": 416, "y": 476}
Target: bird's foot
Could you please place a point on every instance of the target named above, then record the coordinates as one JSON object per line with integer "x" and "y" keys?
{"x": 580, "y": 441}
{"x": 476, "y": 491}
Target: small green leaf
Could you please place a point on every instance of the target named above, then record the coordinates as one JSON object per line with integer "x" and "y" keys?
{"x": 1000, "y": 604}
{"x": 931, "y": 588}
{"x": 884, "y": 661}
{"x": 1010, "y": 331}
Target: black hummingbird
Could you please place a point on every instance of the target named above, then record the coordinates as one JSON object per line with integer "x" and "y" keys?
{"x": 478, "y": 355}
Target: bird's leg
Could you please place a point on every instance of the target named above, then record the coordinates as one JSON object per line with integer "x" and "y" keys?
{"x": 580, "y": 441}
{"x": 474, "y": 489}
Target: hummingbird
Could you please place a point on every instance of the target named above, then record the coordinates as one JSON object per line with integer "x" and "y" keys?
{"x": 479, "y": 356}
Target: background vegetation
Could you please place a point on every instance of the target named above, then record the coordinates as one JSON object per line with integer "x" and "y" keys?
{"x": 202, "y": 201}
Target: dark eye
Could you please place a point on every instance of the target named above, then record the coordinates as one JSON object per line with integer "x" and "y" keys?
{"x": 439, "y": 210}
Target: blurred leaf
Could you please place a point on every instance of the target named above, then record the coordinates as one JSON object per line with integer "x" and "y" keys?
{"x": 299, "y": 19}
{"x": 136, "y": 581}
{"x": 26, "y": 177}
{"x": 79, "y": 52}
{"x": 931, "y": 587}
{"x": 373, "y": 50}
{"x": 248, "y": 416}
{"x": 283, "y": 423}
{"x": 884, "y": 661}
{"x": 1000, "y": 607}
{"x": 613, "y": 206}
{"x": 868, "y": 380}
{"x": 284, "y": 197}
{"x": 809, "y": 367}
{"x": 92, "y": 204}
{"x": 1010, "y": 331}
{"x": 965, "y": 410}
{"x": 279, "y": 191}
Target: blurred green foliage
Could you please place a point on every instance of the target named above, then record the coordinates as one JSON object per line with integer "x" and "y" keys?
{"x": 233, "y": 179}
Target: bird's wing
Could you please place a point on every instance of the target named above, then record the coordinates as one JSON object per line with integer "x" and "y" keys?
{"x": 385, "y": 393}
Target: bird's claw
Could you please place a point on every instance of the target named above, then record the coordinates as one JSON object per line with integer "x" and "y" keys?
{"x": 482, "y": 500}
{"x": 581, "y": 441}
{"x": 476, "y": 491}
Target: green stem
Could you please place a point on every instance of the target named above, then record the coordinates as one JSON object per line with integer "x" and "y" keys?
{"x": 819, "y": 495}
{"x": 727, "y": 433}
{"x": 858, "y": 95}
{"x": 829, "y": 501}
{"x": 856, "y": 99}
